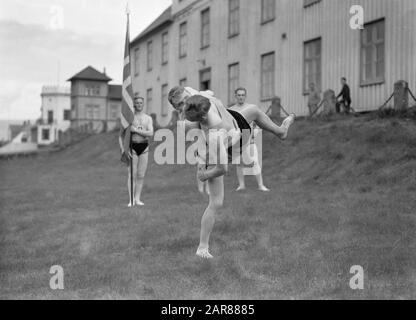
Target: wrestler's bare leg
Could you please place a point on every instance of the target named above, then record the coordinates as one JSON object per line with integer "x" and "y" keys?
{"x": 254, "y": 113}
{"x": 216, "y": 199}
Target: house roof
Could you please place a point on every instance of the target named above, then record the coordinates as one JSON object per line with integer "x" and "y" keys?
{"x": 89, "y": 73}
{"x": 114, "y": 92}
{"x": 15, "y": 130}
{"x": 163, "y": 19}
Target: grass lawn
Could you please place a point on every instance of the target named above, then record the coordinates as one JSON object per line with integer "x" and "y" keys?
{"x": 343, "y": 194}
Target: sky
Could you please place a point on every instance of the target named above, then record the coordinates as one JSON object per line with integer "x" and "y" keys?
{"x": 45, "y": 42}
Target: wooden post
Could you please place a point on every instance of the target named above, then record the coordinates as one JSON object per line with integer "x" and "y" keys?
{"x": 329, "y": 102}
{"x": 401, "y": 95}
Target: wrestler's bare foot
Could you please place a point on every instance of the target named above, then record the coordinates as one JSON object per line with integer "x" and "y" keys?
{"x": 129, "y": 205}
{"x": 241, "y": 188}
{"x": 139, "y": 203}
{"x": 264, "y": 189}
{"x": 204, "y": 253}
{"x": 286, "y": 125}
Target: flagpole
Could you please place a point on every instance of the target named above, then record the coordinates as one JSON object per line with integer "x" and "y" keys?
{"x": 131, "y": 142}
{"x": 131, "y": 174}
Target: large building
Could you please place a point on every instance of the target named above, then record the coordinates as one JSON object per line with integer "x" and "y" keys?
{"x": 55, "y": 114}
{"x": 276, "y": 47}
{"x": 94, "y": 102}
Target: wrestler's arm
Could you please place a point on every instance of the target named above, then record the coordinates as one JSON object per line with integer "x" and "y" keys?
{"x": 149, "y": 132}
{"x": 220, "y": 154}
{"x": 187, "y": 125}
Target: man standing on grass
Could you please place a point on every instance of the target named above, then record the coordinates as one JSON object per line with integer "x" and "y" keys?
{"x": 241, "y": 95}
{"x": 136, "y": 155}
{"x": 346, "y": 97}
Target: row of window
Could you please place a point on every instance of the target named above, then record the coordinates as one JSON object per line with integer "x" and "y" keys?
{"x": 92, "y": 90}
{"x": 268, "y": 9}
{"x": 67, "y": 116}
{"x": 149, "y": 101}
{"x": 372, "y": 68}
{"x": 372, "y": 57}
{"x": 267, "y": 81}
{"x": 92, "y": 112}
{"x": 372, "y": 63}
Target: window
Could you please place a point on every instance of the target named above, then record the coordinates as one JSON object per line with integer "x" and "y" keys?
{"x": 150, "y": 56}
{"x": 92, "y": 112}
{"x": 205, "y": 26}
{"x": 67, "y": 115}
{"x": 89, "y": 112}
{"x": 149, "y": 101}
{"x": 234, "y": 17}
{"x": 267, "y": 76}
{"x": 312, "y": 64}
{"x": 183, "y": 82}
{"x": 45, "y": 134}
{"x": 183, "y": 39}
{"x": 136, "y": 62}
{"x": 92, "y": 90}
{"x": 114, "y": 111}
{"x": 205, "y": 79}
{"x": 50, "y": 117}
{"x": 165, "y": 48}
{"x": 96, "y": 112}
{"x": 233, "y": 81}
{"x": 268, "y": 10}
{"x": 165, "y": 110}
{"x": 307, "y": 3}
{"x": 372, "y": 53}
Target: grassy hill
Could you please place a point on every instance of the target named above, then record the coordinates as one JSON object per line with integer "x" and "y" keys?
{"x": 343, "y": 194}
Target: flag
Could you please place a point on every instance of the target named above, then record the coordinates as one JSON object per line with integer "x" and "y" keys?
{"x": 127, "y": 108}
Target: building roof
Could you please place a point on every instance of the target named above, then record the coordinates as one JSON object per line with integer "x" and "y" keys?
{"x": 55, "y": 90}
{"x": 89, "y": 73}
{"x": 15, "y": 129}
{"x": 162, "y": 20}
{"x": 114, "y": 92}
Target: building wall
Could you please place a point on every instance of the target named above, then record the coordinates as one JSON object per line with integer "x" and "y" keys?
{"x": 22, "y": 143}
{"x": 341, "y": 48}
{"x": 160, "y": 74}
{"x": 102, "y": 119}
{"x": 57, "y": 100}
{"x": 326, "y": 19}
{"x": 113, "y": 116}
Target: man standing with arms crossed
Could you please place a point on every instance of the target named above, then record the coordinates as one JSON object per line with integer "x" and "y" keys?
{"x": 241, "y": 95}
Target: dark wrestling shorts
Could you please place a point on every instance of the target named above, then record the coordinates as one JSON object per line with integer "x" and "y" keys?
{"x": 140, "y": 148}
{"x": 245, "y": 129}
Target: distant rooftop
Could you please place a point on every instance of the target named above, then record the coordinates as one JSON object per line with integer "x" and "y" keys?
{"x": 56, "y": 90}
{"x": 163, "y": 19}
{"x": 89, "y": 73}
{"x": 15, "y": 130}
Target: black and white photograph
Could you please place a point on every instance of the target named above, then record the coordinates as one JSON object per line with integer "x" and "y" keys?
{"x": 180, "y": 151}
